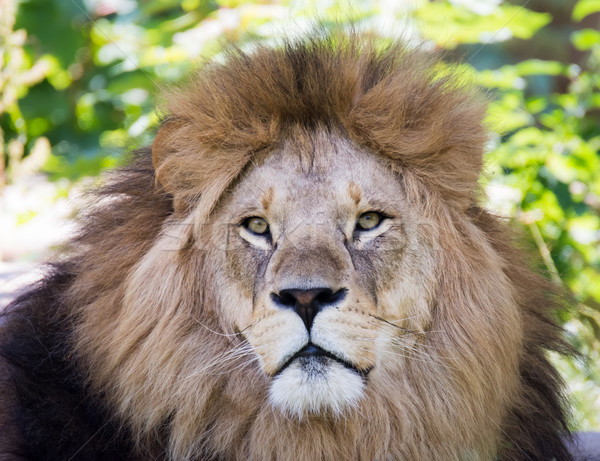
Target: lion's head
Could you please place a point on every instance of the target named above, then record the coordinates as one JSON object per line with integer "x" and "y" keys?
{"x": 324, "y": 258}
{"x": 311, "y": 277}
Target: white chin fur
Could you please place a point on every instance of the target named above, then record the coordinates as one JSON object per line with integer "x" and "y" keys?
{"x": 312, "y": 386}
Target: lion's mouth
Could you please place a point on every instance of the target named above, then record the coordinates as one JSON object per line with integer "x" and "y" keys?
{"x": 312, "y": 353}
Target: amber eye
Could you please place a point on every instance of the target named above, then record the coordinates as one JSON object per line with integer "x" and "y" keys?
{"x": 369, "y": 220}
{"x": 256, "y": 225}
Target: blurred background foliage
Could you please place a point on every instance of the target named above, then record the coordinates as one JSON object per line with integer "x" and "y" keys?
{"x": 79, "y": 81}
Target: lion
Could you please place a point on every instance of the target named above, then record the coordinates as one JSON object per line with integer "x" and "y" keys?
{"x": 297, "y": 269}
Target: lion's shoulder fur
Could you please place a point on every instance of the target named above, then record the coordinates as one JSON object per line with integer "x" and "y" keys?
{"x": 50, "y": 416}
{"x": 541, "y": 406}
{"x": 53, "y": 407}
{"x": 50, "y": 413}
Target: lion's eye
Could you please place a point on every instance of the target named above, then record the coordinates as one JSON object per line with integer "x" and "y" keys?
{"x": 369, "y": 220}
{"x": 256, "y": 225}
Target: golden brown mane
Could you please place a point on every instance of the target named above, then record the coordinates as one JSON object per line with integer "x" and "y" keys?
{"x": 392, "y": 99}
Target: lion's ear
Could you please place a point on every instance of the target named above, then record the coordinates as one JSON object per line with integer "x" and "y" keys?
{"x": 194, "y": 173}
{"x": 164, "y": 147}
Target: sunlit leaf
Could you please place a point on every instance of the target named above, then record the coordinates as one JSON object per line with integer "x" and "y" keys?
{"x": 584, "y": 8}
{"x": 585, "y": 39}
{"x": 450, "y": 25}
{"x": 538, "y": 66}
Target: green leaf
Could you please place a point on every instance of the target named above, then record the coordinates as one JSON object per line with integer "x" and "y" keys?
{"x": 585, "y": 39}
{"x": 451, "y": 25}
{"x": 540, "y": 67}
{"x": 56, "y": 27}
{"x": 585, "y": 8}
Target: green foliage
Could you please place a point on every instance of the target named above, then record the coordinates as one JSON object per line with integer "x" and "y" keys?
{"x": 450, "y": 25}
{"x": 584, "y": 8}
{"x": 82, "y": 77}
{"x": 548, "y": 152}
{"x": 17, "y": 72}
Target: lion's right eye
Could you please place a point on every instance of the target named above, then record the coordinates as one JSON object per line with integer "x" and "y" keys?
{"x": 256, "y": 225}
{"x": 369, "y": 220}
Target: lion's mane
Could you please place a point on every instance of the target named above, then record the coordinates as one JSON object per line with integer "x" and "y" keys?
{"x": 119, "y": 353}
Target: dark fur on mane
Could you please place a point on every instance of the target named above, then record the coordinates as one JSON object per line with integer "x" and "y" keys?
{"x": 230, "y": 112}
{"x": 54, "y": 414}
{"x": 55, "y": 417}
{"x": 537, "y": 428}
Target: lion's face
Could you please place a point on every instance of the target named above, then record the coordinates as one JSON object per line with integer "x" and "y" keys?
{"x": 330, "y": 272}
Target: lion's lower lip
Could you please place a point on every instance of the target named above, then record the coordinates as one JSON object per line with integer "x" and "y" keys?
{"x": 311, "y": 350}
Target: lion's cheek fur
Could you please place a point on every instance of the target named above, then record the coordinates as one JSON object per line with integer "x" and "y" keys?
{"x": 467, "y": 355}
{"x": 479, "y": 337}
{"x": 349, "y": 333}
{"x": 276, "y": 337}
{"x": 152, "y": 360}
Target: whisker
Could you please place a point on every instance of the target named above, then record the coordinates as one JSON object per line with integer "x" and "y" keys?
{"x": 381, "y": 319}
{"x": 227, "y": 335}
{"x": 415, "y": 352}
{"x": 402, "y": 342}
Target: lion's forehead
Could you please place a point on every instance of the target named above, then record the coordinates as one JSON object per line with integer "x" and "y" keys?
{"x": 338, "y": 178}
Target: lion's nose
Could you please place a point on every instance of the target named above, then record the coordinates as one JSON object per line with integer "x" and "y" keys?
{"x": 308, "y": 303}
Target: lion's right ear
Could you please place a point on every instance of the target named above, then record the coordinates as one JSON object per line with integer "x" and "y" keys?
{"x": 163, "y": 148}
{"x": 174, "y": 162}
{"x": 195, "y": 161}
{"x": 188, "y": 169}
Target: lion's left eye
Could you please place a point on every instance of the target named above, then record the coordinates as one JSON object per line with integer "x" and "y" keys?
{"x": 369, "y": 220}
{"x": 256, "y": 225}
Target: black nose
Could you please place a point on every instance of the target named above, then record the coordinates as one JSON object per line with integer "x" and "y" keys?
{"x": 308, "y": 303}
